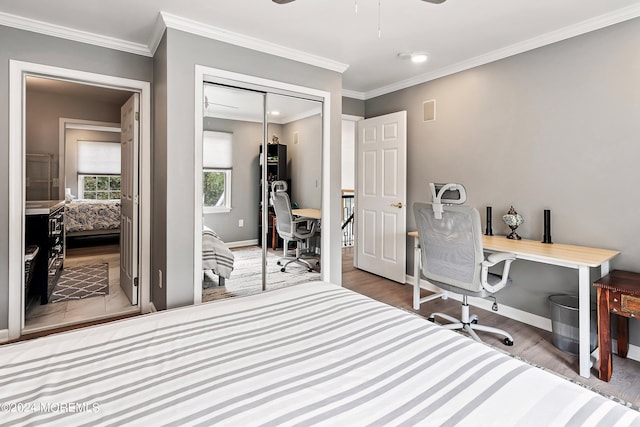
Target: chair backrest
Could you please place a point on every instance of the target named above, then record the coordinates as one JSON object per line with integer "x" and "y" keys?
{"x": 451, "y": 247}
{"x": 282, "y": 207}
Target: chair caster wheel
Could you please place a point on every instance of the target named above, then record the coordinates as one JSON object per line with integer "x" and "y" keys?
{"x": 310, "y": 270}
{"x": 282, "y": 269}
{"x": 278, "y": 263}
{"x": 508, "y": 342}
{"x": 431, "y": 319}
{"x": 474, "y": 321}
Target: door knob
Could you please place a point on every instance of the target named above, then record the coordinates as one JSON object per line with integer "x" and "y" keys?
{"x": 397, "y": 205}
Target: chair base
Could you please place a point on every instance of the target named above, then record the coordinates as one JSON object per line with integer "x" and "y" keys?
{"x": 286, "y": 260}
{"x": 469, "y": 323}
{"x": 302, "y": 261}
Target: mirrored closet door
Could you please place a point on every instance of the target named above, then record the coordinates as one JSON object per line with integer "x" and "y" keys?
{"x": 255, "y": 142}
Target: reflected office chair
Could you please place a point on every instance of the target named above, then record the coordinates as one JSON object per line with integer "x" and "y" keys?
{"x": 291, "y": 228}
{"x": 452, "y": 257}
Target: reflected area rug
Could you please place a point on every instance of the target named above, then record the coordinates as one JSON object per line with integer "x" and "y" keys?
{"x": 246, "y": 277}
{"x": 81, "y": 282}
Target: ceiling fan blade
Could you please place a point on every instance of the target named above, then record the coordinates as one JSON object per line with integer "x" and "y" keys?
{"x": 282, "y": 1}
{"x": 428, "y": 1}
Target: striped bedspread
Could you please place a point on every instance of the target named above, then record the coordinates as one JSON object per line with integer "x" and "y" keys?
{"x": 312, "y": 354}
{"x": 215, "y": 254}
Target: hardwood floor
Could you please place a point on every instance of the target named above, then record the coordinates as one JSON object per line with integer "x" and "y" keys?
{"x": 531, "y": 344}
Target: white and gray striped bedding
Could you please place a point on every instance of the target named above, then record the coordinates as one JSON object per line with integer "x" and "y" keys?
{"x": 313, "y": 354}
{"x": 215, "y": 254}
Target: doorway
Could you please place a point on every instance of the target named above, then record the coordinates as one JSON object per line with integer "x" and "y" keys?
{"x": 22, "y": 131}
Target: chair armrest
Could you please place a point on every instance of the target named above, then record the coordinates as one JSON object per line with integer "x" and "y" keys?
{"x": 498, "y": 257}
{"x": 493, "y": 259}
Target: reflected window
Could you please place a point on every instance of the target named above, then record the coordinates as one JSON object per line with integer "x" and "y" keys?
{"x": 216, "y": 171}
{"x": 99, "y": 187}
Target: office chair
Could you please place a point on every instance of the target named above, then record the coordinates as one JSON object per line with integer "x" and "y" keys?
{"x": 290, "y": 228}
{"x": 452, "y": 258}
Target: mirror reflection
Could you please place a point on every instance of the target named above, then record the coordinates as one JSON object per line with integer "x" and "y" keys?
{"x": 251, "y": 140}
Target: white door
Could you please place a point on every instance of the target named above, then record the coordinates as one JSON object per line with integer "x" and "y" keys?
{"x": 381, "y": 189}
{"x": 129, "y": 136}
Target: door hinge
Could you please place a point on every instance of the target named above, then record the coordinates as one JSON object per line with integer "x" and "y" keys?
{"x": 137, "y": 116}
{"x": 136, "y": 199}
{"x": 135, "y": 281}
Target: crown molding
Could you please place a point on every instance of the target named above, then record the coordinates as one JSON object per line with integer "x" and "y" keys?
{"x": 583, "y": 27}
{"x": 215, "y": 33}
{"x": 354, "y": 94}
{"x": 67, "y": 33}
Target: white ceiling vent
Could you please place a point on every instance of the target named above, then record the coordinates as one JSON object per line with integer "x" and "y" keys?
{"x": 429, "y": 110}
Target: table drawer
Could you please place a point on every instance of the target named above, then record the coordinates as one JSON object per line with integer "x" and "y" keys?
{"x": 630, "y": 305}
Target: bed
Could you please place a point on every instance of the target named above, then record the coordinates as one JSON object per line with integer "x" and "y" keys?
{"x": 217, "y": 259}
{"x": 311, "y": 354}
{"x": 92, "y": 217}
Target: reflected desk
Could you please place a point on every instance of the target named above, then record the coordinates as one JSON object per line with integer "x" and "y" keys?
{"x": 311, "y": 213}
{"x": 308, "y": 213}
{"x": 581, "y": 258}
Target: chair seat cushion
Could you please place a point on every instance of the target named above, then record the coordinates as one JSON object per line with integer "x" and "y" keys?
{"x": 493, "y": 279}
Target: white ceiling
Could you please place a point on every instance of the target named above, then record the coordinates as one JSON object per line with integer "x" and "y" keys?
{"x": 457, "y": 34}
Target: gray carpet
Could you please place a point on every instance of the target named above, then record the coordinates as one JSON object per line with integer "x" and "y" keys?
{"x": 81, "y": 282}
{"x": 246, "y": 278}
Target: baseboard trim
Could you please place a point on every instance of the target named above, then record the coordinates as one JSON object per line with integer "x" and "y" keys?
{"x": 241, "y": 243}
{"x": 4, "y": 335}
{"x": 516, "y": 314}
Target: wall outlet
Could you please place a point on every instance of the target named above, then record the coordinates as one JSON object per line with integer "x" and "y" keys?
{"x": 241, "y": 223}
{"x": 160, "y": 279}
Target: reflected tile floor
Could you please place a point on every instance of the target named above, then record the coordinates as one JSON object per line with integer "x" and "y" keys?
{"x": 62, "y": 313}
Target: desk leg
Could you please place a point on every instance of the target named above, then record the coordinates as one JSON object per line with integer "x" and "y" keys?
{"x": 584, "y": 313}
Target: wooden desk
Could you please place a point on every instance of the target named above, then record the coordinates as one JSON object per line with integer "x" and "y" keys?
{"x": 308, "y": 213}
{"x": 619, "y": 294}
{"x": 580, "y": 258}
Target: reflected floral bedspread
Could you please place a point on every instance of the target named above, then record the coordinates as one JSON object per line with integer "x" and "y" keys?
{"x": 90, "y": 215}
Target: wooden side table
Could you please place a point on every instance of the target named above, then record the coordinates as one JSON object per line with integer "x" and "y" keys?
{"x": 619, "y": 294}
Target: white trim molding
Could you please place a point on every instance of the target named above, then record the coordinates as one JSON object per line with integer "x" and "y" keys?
{"x": 583, "y": 27}
{"x": 18, "y": 70}
{"x": 220, "y": 34}
{"x": 73, "y": 34}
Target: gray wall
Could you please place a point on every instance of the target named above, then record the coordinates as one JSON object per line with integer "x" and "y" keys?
{"x": 32, "y": 47}
{"x": 554, "y": 128}
{"x": 305, "y": 160}
{"x": 353, "y": 107}
{"x": 183, "y": 52}
{"x": 159, "y": 181}
{"x": 245, "y": 181}
{"x": 44, "y": 111}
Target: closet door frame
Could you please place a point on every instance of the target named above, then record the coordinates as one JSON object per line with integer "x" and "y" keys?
{"x": 244, "y": 81}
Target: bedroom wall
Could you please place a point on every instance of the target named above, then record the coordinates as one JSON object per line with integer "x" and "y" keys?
{"x": 353, "y": 107}
{"x": 305, "y": 160}
{"x": 554, "y": 128}
{"x": 44, "y": 110}
{"x": 183, "y": 52}
{"x": 245, "y": 180}
{"x": 31, "y": 47}
{"x": 69, "y": 163}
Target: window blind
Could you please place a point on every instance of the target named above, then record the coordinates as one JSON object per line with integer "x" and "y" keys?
{"x": 216, "y": 150}
{"x": 98, "y": 157}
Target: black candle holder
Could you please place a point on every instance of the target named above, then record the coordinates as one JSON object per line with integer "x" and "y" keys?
{"x": 489, "y": 230}
{"x": 546, "y": 237}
